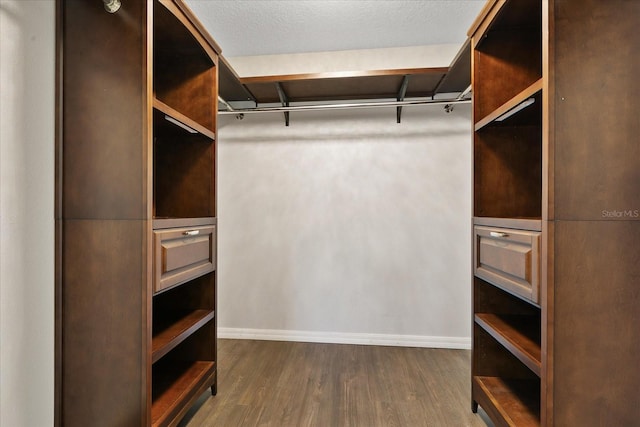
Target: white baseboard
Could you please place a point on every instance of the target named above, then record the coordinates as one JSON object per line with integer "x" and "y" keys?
{"x": 463, "y": 343}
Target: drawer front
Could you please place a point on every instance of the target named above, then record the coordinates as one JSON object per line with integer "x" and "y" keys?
{"x": 509, "y": 259}
{"x": 182, "y": 254}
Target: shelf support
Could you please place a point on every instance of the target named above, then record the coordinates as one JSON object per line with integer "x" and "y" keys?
{"x": 284, "y": 100}
{"x": 401, "y": 94}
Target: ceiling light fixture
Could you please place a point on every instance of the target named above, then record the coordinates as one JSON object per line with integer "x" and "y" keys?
{"x": 112, "y": 6}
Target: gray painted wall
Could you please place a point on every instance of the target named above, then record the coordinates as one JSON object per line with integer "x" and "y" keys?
{"x": 346, "y": 226}
{"x": 27, "y": 31}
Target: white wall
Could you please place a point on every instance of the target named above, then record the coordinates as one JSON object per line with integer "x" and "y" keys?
{"x": 346, "y": 226}
{"x": 26, "y": 212}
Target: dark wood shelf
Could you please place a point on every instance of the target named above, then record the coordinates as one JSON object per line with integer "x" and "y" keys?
{"x": 195, "y": 127}
{"x": 531, "y": 224}
{"x": 458, "y": 78}
{"x": 532, "y": 91}
{"x": 230, "y": 88}
{"x": 173, "y": 222}
{"x": 176, "y": 387}
{"x": 518, "y": 334}
{"x": 374, "y": 84}
{"x": 348, "y": 85}
{"x": 170, "y": 334}
{"x": 509, "y": 402}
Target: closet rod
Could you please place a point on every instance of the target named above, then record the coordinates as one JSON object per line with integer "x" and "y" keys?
{"x": 464, "y": 93}
{"x": 228, "y": 106}
{"x": 340, "y": 106}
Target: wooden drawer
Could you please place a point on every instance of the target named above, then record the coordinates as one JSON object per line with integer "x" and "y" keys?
{"x": 509, "y": 259}
{"x": 182, "y": 254}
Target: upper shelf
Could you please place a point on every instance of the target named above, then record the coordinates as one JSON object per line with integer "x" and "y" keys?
{"x": 345, "y": 85}
{"x": 178, "y": 119}
{"x": 377, "y": 84}
{"x": 458, "y": 78}
{"x": 229, "y": 86}
{"x": 517, "y": 106}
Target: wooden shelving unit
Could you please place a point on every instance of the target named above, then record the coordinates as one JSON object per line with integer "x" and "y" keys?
{"x": 183, "y": 348}
{"x": 548, "y": 164}
{"x": 507, "y": 76}
{"x": 136, "y": 214}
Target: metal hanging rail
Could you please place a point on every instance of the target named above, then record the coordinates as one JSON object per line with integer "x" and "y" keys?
{"x": 464, "y": 93}
{"x": 229, "y": 108}
{"x": 318, "y": 107}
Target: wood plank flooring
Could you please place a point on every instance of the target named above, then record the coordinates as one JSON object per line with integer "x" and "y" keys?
{"x": 282, "y": 384}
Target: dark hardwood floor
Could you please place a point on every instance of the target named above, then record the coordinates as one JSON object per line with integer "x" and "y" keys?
{"x": 282, "y": 384}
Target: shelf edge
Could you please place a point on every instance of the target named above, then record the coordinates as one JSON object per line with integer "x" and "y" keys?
{"x": 203, "y": 317}
{"x": 178, "y": 222}
{"x": 182, "y": 119}
{"x": 529, "y": 224}
{"x": 510, "y": 105}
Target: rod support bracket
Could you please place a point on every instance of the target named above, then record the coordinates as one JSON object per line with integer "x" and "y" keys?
{"x": 401, "y": 94}
{"x": 284, "y": 100}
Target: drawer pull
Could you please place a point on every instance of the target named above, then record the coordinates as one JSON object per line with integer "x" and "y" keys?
{"x": 498, "y": 234}
{"x": 191, "y": 233}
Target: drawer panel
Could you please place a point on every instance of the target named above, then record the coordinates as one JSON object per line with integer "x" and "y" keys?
{"x": 182, "y": 254}
{"x": 509, "y": 259}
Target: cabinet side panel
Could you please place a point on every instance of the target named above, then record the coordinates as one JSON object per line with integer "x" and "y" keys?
{"x": 104, "y": 109}
{"x": 103, "y": 348}
{"x": 596, "y": 341}
{"x": 596, "y": 108}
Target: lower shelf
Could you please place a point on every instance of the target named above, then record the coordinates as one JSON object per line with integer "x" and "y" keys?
{"x": 518, "y": 334}
{"x": 176, "y": 387}
{"x": 508, "y": 402}
{"x": 171, "y": 331}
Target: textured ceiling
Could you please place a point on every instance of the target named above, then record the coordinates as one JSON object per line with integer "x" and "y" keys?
{"x": 266, "y": 27}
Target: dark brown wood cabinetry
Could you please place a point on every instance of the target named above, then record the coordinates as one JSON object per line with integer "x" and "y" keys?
{"x": 135, "y": 213}
{"x": 556, "y": 199}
